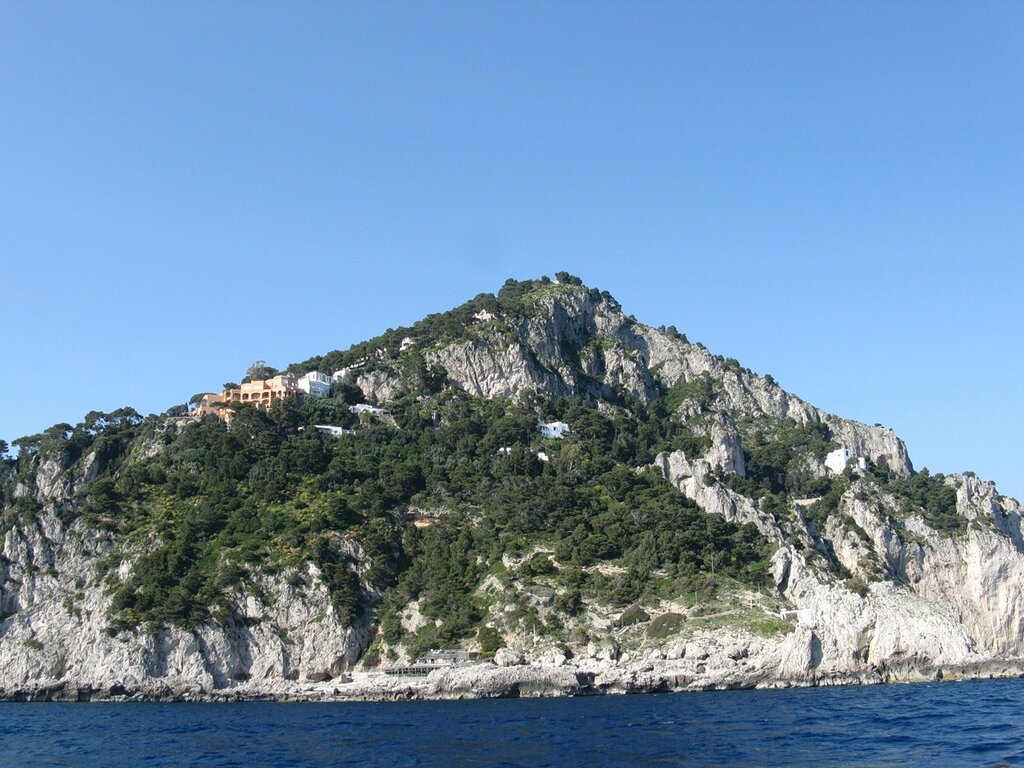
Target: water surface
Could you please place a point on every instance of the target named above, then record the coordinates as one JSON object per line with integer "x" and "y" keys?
{"x": 943, "y": 724}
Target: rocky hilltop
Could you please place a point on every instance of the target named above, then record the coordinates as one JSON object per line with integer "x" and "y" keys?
{"x": 695, "y": 526}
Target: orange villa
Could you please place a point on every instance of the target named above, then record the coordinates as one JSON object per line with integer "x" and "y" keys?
{"x": 261, "y": 394}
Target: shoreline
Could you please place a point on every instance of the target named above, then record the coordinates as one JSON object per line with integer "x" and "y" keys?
{"x": 488, "y": 681}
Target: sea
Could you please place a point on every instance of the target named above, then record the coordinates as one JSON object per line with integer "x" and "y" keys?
{"x": 977, "y": 723}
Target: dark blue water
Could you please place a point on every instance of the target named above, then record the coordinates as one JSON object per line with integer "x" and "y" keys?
{"x": 946, "y": 724}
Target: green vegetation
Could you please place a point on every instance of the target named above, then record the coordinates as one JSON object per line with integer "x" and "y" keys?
{"x": 632, "y": 615}
{"x": 490, "y": 641}
{"x": 665, "y": 625}
{"x": 936, "y": 500}
{"x": 216, "y": 506}
{"x": 700, "y": 389}
{"x": 923, "y": 493}
{"x": 776, "y": 452}
{"x": 754, "y": 621}
{"x": 857, "y": 585}
{"x": 831, "y": 490}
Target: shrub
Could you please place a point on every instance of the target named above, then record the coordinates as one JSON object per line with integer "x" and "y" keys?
{"x": 569, "y": 602}
{"x": 665, "y": 625}
{"x": 489, "y": 639}
{"x": 857, "y": 585}
{"x": 632, "y": 615}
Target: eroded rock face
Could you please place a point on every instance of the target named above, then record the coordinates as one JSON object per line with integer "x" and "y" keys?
{"x": 726, "y": 452}
{"x": 546, "y": 357}
{"x": 508, "y": 657}
{"x": 694, "y": 480}
{"x": 554, "y": 355}
{"x": 484, "y": 370}
{"x": 928, "y": 599}
{"x": 379, "y": 386}
{"x": 59, "y": 634}
{"x": 880, "y": 444}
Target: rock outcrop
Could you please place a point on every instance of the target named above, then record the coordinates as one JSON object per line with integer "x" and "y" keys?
{"x": 57, "y": 633}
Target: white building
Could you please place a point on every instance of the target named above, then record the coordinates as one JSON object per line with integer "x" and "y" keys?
{"x": 329, "y": 429}
{"x": 347, "y": 374}
{"x": 555, "y": 429}
{"x": 444, "y": 657}
{"x": 362, "y": 408}
{"x": 837, "y": 459}
{"x": 315, "y": 384}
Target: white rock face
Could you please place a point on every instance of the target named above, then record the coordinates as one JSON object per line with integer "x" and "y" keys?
{"x": 694, "y": 481}
{"x": 486, "y": 371}
{"x": 378, "y": 386}
{"x": 726, "y": 452}
{"x": 508, "y": 657}
{"x": 490, "y": 366}
{"x": 948, "y": 601}
{"x": 880, "y": 444}
{"x": 58, "y": 637}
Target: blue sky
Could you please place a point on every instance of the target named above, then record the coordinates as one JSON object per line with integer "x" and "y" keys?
{"x": 831, "y": 193}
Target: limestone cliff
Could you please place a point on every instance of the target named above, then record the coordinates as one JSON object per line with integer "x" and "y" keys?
{"x": 57, "y": 608}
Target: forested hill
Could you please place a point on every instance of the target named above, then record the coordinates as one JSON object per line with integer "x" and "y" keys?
{"x": 684, "y": 486}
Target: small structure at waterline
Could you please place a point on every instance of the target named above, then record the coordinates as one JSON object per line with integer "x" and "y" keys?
{"x": 436, "y": 659}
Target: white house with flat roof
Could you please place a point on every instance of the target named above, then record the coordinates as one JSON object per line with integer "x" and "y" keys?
{"x": 330, "y": 429}
{"x": 555, "y": 429}
{"x": 837, "y": 460}
{"x": 315, "y": 384}
{"x": 372, "y": 410}
{"x": 346, "y": 375}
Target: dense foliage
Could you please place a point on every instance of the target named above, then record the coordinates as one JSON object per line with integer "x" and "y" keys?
{"x": 778, "y": 458}
{"x": 217, "y": 506}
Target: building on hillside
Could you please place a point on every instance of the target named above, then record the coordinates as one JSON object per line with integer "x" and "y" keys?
{"x": 345, "y": 375}
{"x": 209, "y": 404}
{"x": 445, "y": 658}
{"x": 837, "y": 460}
{"x": 260, "y": 394}
{"x": 436, "y": 659}
{"x": 555, "y": 429}
{"x": 263, "y": 392}
{"x": 315, "y": 384}
{"x": 330, "y": 429}
{"x": 372, "y": 410}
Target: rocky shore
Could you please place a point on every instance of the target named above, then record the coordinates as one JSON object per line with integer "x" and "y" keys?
{"x": 723, "y": 663}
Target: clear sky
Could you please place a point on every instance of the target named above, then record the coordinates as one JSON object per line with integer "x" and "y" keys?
{"x": 832, "y": 193}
